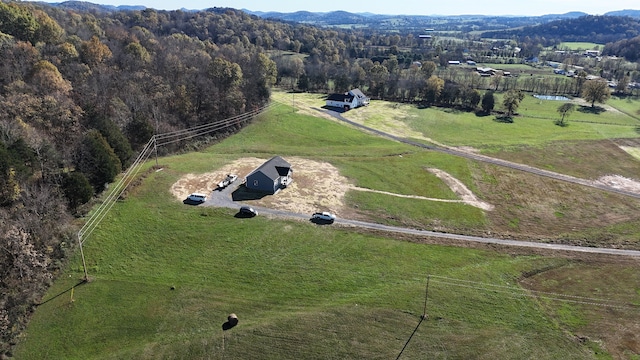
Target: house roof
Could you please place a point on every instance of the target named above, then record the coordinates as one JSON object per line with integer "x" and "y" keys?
{"x": 357, "y": 93}
{"x": 348, "y": 96}
{"x": 340, "y": 97}
{"x": 273, "y": 168}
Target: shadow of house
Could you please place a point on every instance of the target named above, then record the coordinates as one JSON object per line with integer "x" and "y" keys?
{"x": 270, "y": 177}
{"x": 242, "y": 193}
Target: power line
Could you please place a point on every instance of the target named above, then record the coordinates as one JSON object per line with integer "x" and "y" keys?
{"x": 515, "y": 293}
{"x": 129, "y": 175}
{"x": 520, "y": 292}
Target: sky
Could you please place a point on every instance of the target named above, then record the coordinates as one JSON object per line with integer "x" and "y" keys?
{"x": 396, "y": 7}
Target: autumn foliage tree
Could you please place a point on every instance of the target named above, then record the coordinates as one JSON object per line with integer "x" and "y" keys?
{"x": 595, "y": 91}
{"x": 511, "y": 101}
{"x": 433, "y": 89}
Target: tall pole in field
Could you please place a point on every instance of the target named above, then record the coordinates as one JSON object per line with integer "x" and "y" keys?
{"x": 84, "y": 263}
{"x": 155, "y": 146}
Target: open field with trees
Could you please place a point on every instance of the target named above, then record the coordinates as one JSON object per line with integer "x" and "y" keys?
{"x": 544, "y": 208}
{"x": 85, "y": 87}
{"x": 165, "y": 276}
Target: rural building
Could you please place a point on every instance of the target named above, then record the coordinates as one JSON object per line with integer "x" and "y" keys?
{"x": 271, "y": 176}
{"x": 486, "y": 71}
{"x": 554, "y": 64}
{"x": 349, "y": 100}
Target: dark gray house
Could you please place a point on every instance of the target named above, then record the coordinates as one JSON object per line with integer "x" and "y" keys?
{"x": 271, "y": 176}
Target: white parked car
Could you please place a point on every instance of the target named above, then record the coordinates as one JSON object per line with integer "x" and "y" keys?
{"x": 197, "y": 198}
{"x": 324, "y": 216}
{"x": 227, "y": 181}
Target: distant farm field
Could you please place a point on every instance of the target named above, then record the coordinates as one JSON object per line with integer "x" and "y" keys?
{"x": 580, "y": 46}
{"x": 165, "y": 275}
{"x": 533, "y": 124}
{"x": 544, "y": 208}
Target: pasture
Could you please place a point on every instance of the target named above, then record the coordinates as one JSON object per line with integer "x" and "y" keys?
{"x": 544, "y": 209}
{"x": 576, "y": 46}
{"x": 165, "y": 276}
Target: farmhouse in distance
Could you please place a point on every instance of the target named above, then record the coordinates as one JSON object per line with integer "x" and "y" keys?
{"x": 352, "y": 99}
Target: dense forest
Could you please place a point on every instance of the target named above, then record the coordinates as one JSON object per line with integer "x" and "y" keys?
{"x": 627, "y": 48}
{"x": 83, "y": 90}
{"x": 79, "y": 94}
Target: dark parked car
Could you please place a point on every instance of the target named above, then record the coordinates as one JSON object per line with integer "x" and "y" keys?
{"x": 248, "y": 211}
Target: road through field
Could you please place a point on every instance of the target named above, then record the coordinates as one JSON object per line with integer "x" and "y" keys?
{"x": 223, "y": 198}
{"x": 487, "y": 159}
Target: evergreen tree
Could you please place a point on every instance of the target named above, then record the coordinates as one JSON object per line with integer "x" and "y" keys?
{"x": 77, "y": 189}
{"x": 97, "y": 160}
{"x": 114, "y": 137}
{"x": 488, "y": 102}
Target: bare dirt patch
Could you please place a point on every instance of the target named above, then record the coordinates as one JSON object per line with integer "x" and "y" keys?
{"x": 461, "y": 190}
{"x": 317, "y": 186}
{"x": 620, "y": 182}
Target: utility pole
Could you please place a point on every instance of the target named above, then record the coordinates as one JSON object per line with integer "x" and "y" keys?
{"x": 155, "y": 146}
{"x": 84, "y": 263}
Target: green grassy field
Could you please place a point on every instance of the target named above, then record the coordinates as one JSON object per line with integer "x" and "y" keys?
{"x": 165, "y": 276}
{"x": 300, "y": 291}
{"x": 580, "y": 46}
{"x": 534, "y": 125}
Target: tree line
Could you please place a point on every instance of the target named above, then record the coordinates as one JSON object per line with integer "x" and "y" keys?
{"x": 82, "y": 91}
{"x": 80, "y": 94}
{"x": 600, "y": 29}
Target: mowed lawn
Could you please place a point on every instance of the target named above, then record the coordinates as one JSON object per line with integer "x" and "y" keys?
{"x": 165, "y": 276}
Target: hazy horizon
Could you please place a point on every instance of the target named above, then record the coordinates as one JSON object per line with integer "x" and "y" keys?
{"x": 398, "y": 7}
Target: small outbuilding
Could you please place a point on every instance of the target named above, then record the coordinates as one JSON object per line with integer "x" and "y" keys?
{"x": 349, "y": 100}
{"x": 271, "y": 176}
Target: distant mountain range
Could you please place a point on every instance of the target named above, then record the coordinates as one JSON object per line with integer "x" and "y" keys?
{"x": 87, "y": 6}
{"x": 343, "y": 17}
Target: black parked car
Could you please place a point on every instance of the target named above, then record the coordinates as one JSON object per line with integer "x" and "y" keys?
{"x": 248, "y": 211}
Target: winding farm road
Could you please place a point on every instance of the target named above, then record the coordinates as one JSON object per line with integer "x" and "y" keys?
{"x": 223, "y": 198}
{"x": 486, "y": 159}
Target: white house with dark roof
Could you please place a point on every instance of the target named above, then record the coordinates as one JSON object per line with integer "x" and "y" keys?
{"x": 349, "y": 100}
{"x": 271, "y": 176}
